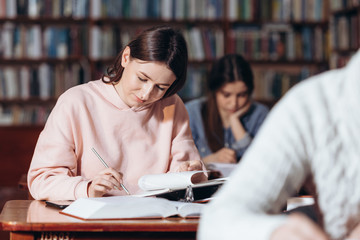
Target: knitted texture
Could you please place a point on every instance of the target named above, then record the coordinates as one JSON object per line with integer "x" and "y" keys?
{"x": 313, "y": 131}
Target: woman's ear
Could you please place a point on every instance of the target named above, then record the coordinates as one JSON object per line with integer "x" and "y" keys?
{"x": 125, "y": 58}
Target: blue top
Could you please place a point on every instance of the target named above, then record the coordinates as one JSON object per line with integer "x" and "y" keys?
{"x": 251, "y": 121}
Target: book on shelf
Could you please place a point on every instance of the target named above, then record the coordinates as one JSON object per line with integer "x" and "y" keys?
{"x": 271, "y": 84}
{"x": 195, "y": 83}
{"x": 204, "y": 43}
{"x": 11, "y": 9}
{"x": 157, "y": 9}
{"x": 40, "y": 8}
{"x": 336, "y": 5}
{"x": 345, "y": 32}
{"x": 277, "y": 41}
{"x": 196, "y": 44}
{"x": 130, "y": 207}
{"x": 44, "y": 81}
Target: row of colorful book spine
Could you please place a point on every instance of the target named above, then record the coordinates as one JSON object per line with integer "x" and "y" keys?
{"x": 278, "y": 10}
{"x": 203, "y": 43}
{"x": 280, "y": 42}
{"x": 245, "y": 10}
{"x": 20, "y": 41}
{"x": 44, "y": 8}
{"x": 24, "y": 115}
{"x": 44, "y": 81}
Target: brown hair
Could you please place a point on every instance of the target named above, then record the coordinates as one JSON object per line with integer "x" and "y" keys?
{"x": 158, "y": 44}
{"x": 228, "y": 69}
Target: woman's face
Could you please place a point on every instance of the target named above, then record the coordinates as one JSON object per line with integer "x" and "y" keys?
{"x": 143, "y": 82}
{"x": 231, "y": 97}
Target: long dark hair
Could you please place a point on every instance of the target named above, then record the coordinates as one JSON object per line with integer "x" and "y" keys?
{"x": 228, "y": 69}
{"x": 157, "y": 44}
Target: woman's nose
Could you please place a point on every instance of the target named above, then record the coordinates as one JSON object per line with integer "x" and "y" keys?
{"x": 233, "y": 101}
{"x": 146, "y": 91}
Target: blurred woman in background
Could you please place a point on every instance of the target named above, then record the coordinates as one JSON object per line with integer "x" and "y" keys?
{"x": 224, "y": 122}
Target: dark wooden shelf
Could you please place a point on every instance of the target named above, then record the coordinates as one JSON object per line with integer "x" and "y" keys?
{"x": 36, "y": 61}
{"x": 346, "y": 11}
{"x": 46, "y": 20}
{"x": 192, "y": 62}
{"x": 291, "y": 23}
{"x": 345, "y": 52}
{"x": 287, "y": 62}
{"x": 157, "y": 21}
{"x": 29, "y": 101}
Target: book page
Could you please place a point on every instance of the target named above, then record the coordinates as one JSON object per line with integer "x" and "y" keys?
{"x": 179, "y": 193}
{"x": 171, "y": 180}
{"x": 189, "y": 210}
{"x": 224, "y": 168}
{"x": 120, "y": 207}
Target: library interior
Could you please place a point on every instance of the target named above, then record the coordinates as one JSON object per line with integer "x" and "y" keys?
{"x": 49, "y": 46}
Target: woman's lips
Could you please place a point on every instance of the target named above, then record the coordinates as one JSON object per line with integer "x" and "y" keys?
{"x": 139, "y": 100}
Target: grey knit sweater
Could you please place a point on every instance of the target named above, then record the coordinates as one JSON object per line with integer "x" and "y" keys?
{"x": 313, "y": 131}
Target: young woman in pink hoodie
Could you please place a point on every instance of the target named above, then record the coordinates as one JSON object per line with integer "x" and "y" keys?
{"x": 131, "y": 116}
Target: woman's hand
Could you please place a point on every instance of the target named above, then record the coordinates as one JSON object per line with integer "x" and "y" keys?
{"x": 103, "y": 182}
{"x": 299, "y": 227}
{"x": 224, "y": 155}
{"x": 242, "y": 111}
{"x": 194, "y": 165}
{"x": 237, "y": 128}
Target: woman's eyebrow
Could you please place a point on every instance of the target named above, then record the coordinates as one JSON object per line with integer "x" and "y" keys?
{"x": 223, "y": 91}
{"x": 145, "y": 75}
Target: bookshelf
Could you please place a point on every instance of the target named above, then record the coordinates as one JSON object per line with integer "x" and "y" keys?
{"x": 42, "y": 53}
{"x": 49, "y": 46}
{"x": 344, "y": 25}
{"x": 285, "y": 42}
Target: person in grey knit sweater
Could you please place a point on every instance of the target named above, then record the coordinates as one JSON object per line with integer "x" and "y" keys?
{"x": 312, "y": 133}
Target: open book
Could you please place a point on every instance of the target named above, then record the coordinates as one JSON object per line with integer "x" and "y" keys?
{"x": 130, "y": 207}
{"x": 173, "y": 186}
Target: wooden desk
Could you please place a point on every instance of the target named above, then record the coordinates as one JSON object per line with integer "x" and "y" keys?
{"x": 31, "y": 219}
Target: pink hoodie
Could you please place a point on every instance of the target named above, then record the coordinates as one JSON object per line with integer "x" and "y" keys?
{"x": 135, "y": 142}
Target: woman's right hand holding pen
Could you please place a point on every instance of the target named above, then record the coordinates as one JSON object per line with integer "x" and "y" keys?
{"x": 105, "y": 181}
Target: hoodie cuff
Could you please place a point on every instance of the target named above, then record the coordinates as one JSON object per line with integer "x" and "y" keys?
{"x": 81, "y": 190}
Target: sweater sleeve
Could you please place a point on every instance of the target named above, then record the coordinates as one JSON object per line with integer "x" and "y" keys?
{"x": 53, "y": 173}
{"x": 183, "y": 147}
{"x": 248, "y": 206}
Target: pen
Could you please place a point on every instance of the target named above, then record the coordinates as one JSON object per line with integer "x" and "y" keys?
{"x": 107, "y": 166}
